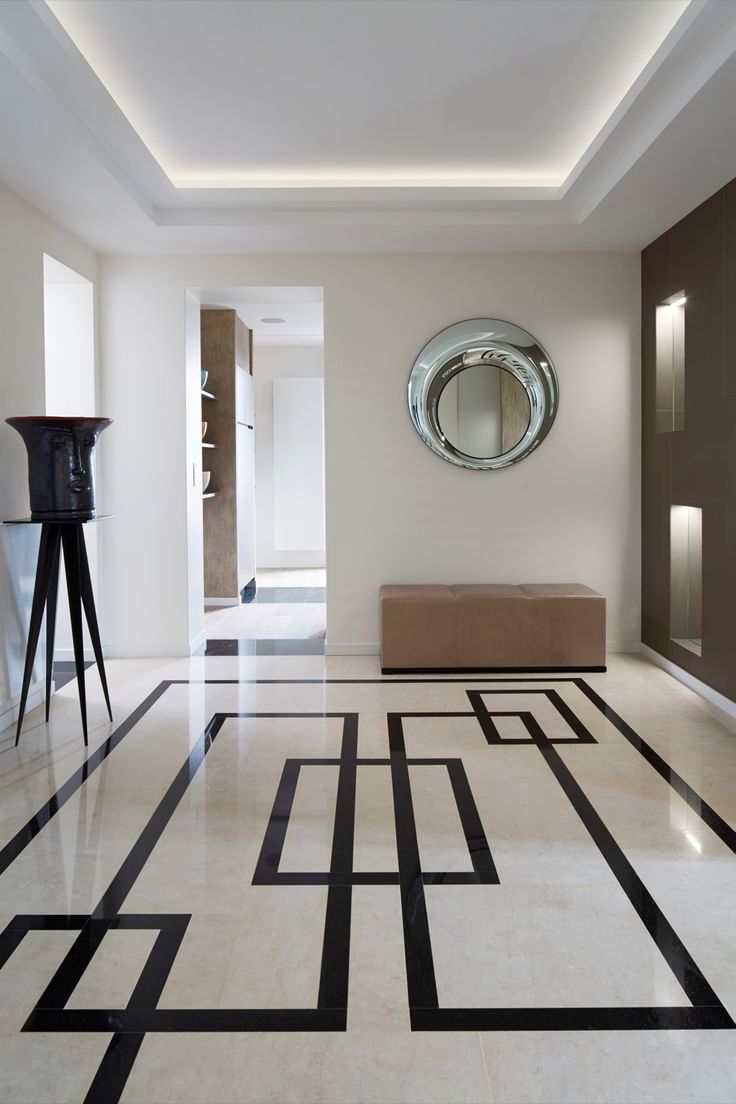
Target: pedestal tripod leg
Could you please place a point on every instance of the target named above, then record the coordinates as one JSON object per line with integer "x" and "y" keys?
{"x": 47, "y": 550}
{"x": 88, "y": 599}
{"x": 71, "y": 536}
{"x": 51, "y": 618}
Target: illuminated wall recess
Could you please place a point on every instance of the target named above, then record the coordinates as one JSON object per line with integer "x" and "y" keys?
{"x": 670, "y": 409}
{"x": 686, "y": 576}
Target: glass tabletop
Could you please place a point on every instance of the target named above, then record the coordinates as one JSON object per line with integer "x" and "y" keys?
{"x": 58, "y": 520}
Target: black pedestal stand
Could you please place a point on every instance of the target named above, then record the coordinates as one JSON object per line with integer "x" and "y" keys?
{"x": 57, "y": 536}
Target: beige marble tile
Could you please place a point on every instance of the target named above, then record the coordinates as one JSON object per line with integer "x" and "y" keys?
{"x": 257, "y": 959}
{"x": 49, "y": 1067}
{"x": 610, "y": 1067}
{"x": 541, "y": 947}
{"x": 113, "y": 973}
{"x": 275, "y": 963}
{"x": 377, "y": 998}
{"x": 27, "y": 973}
{"x": 440, "y": 834}
{"x": 375, "y": 832}
{"x": 292, "y": 1068}
{"x": 308, "y": 844}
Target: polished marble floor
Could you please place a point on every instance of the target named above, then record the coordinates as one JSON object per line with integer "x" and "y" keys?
{"x": 289, "y": 605}
{"x": 287, "y": 879}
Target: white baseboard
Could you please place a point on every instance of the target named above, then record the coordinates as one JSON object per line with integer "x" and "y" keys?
{"x": 222, "y": 601}
{"x": 9, "y": 709}
{"x": 719, "y": 704}
{"x": 144, "y": 651}
{"x": 65, "y": 655}
{"x": 612, "y": 647}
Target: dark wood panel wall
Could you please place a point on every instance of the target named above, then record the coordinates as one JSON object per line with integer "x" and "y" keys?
{"x": 695, "y": 466}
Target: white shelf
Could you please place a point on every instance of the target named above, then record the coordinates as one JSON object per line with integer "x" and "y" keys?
{"x": 209, "y": 395}
{"x": 206, "y": 444}
{"x": 209, "y": 494}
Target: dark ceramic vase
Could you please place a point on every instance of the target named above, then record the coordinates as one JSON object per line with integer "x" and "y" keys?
{"x": 61, "y": 474}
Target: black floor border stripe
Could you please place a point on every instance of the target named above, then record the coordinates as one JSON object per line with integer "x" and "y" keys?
{"x": 132, "y": 1022}
{"x": 684, "y": 968}
{"x": 699, "y": 805}
{"x": 29, "y": 831}
{"x": 664, "y": 1017}
{"x": 25, "y": 835}
{"x": 673, "y": 950}
{"x": 119, "y": 1058}
{"x": 572, "y": 719}
{"x": 335, "y": 965}
{"x": 114, "y": 896}
{"x": 10, "y": 940}
{"x": 115, "y": 1068}
{"x": 75, "y": 962}
{"x": 420, "y": 977}
{"x": 476, "y": 840}
{"x": 356, "y": 681}
{"x": 143, "y": 1020}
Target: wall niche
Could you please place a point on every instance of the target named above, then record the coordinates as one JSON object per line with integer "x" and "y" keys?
{"x": 686, "y": 577}
{"x": 670, "y": 364}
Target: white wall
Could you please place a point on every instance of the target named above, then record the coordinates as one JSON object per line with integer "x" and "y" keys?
{"x": 25, "y": 235}
{"x": 271, "y": 362}
{"x": 69, "y": 365}
{"x": 193, "y": 465}
{"x": 395, "y": 512}
{"x": 69, "y": 340}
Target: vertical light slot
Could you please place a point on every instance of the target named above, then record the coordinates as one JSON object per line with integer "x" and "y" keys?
{"x": 670, "y": 364}
{"x": 686, "y": 577}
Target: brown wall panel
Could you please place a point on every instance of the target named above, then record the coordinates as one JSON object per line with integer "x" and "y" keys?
{"x": 655, "y": 534}
{"x": 729, "y": 298}
{"x": 695, "y": 466}
{"x": 704, "y": 455}
{"x": 697, "y": 268}
{"x": 719, "y": 595}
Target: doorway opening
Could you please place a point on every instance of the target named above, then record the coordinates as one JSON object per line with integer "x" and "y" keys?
{"x": 70, "y": 389}
{"x": 263, "y": 495}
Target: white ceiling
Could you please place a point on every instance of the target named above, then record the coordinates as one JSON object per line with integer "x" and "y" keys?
{"x": 299, "y": 307}
{"x": 318, "y": 125}
{"x": 256, "y": 92}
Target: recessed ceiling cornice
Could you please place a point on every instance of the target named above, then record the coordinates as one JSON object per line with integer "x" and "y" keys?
{"x": 44, "y": 58}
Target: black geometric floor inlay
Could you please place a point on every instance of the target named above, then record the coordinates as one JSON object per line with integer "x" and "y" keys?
{"x": 141, "y": 1014}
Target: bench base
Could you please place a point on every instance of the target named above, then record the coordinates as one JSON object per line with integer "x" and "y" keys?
{"x": 490, "y": 670}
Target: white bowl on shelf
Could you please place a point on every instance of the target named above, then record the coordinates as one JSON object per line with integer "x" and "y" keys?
{"x": 204, "y": 429}
{"x": 203, "y": 379}
{"x": 206, "y": 476}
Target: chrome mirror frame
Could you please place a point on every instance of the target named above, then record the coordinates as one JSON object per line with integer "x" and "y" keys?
{"x": 478, "y": 341}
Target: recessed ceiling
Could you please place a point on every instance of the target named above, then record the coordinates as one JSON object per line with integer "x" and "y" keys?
{"x": 367, "y": 125}
{"x": 364, "y": 94}
{"x": 299, "y": 308}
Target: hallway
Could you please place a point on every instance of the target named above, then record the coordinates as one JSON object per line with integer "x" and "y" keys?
{"x": 289, "y": 606}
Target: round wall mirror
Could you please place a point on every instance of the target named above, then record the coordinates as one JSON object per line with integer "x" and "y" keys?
{"x": 483, "y": 393}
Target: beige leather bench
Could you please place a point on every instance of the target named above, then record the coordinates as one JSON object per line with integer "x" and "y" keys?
{"x": 492, "y": 627}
